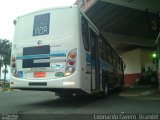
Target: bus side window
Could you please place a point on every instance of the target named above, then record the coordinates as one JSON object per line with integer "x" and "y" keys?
{"x": 109, "y": 55}
{"x": 101, "y": 49}
{"x": 85, "y": 34}
{"x": 114, "y": 59}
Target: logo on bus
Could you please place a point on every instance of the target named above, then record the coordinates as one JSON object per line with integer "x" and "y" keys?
{"x": 57, "y": 66}
{"x": 20, "y": 74}
{"x": 59, "y": 51}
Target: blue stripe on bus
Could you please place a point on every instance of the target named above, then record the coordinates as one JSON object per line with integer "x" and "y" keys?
{"x": 103, "y": 64}
{"x": 106, "y": 66}
{"x": 40, "y": 56}
{"x": 89, "y": 60}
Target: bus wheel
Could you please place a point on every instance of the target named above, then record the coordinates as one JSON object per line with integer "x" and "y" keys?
{"x": 106, "y": 90}
{"x": 104, "y": 93}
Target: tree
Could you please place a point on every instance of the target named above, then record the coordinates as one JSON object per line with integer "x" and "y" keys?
{"x": 1, "y": 64}
{"x": 1, "y": 53}
{"x": 5, "y": 54}
{"x": 6, "y": 61}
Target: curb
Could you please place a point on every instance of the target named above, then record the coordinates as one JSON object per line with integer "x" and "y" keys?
{"x": 144, "y": 93}
{"x": 151, "y": 98}
{"x": 149, "y": 92}
{"x": 129, "y": 95}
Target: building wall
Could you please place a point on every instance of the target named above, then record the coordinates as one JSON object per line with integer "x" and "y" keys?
{"x": 132, "y": 61}
{"x": 135, "y": 61}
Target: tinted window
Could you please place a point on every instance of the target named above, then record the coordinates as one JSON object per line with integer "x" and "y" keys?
{"x": 29, "y": 63}
{"x": 85, "y": 34}
{"x": 103, "y": 50}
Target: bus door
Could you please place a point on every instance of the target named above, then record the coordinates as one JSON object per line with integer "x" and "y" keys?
{"x": 95, "y": 62}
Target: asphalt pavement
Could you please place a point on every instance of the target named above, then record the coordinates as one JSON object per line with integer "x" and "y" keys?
{"x": 32, "y": 103}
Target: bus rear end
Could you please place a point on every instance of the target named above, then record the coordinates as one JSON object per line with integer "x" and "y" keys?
{"x": 45, "y": 50}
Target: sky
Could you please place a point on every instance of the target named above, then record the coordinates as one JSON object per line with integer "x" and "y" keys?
{"x": 11, "y": 9}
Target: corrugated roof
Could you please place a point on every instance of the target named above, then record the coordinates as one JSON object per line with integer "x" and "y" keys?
{"x": 112, "y": 18}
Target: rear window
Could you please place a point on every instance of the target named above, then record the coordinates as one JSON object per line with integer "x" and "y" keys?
{"x": 29, "y": 62}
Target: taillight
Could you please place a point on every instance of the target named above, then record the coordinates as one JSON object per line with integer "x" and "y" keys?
{"x": 72, "y": 55}
{"x": 71, "y": 62}
{"x": 14, "y": 66}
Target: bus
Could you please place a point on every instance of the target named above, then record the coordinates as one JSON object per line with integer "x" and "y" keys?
{"x": 157, "y": 57}
{"x": 60, "y": 50}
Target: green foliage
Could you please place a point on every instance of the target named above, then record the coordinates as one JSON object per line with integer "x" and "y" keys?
{"x": 5, "y": 53}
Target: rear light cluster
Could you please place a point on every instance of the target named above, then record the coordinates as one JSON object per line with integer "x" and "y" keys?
{"x": 71, "y": 62}
{"x": 14, "y": 66}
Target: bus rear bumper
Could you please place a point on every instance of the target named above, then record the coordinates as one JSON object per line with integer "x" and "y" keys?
{"x": 71, "y": 82}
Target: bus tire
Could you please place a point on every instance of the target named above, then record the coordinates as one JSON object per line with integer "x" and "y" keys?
{"x": 106, "y": 90}
{"x": 104, "y": 93}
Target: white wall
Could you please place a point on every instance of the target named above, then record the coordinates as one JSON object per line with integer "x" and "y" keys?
{"x": 137, "y": 59}
{"x": 132, "y": 61}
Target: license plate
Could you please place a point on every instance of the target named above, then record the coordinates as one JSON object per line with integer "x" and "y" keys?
{"x": 39, "y": 74}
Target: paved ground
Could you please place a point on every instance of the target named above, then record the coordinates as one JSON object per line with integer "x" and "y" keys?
{"x": 46, "y": 102}
{"x": 31, "y": 102}
{"x": 139, "y": 91}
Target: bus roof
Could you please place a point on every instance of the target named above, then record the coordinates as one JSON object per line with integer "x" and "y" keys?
{"x": 46, "y": 9}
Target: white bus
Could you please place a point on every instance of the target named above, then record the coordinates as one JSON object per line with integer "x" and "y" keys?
{"x": 60, "y": 50}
